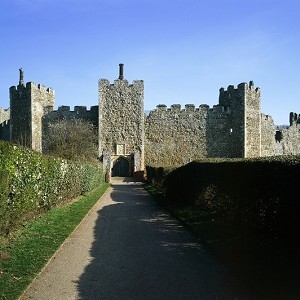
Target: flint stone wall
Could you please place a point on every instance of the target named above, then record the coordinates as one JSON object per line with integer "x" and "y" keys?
{"x": 4, "y": 114}
{"x": 20, "y": 116}
{"x": 252, "y": 121}
{"x": 28, "y": 106}
{"x": 178, "y": 136}
{"x": 121, "y": 121}
{"x": 269, "y": 146}
{"x": 174, "y": 135}
{"x": 4, "y": 124}
{"x": 41, "y": 99}
{"x": 280, "y": 140}
{"x": 230, "y": 129}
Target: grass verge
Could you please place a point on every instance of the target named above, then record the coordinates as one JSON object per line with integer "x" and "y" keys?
{"x": 266, "y": 267}
{"x": 26, "y": 252}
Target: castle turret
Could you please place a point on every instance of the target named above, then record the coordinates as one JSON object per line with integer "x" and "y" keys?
{"x": 252, "y": 121}
{"x": 28, "y": 105}
{"x": 121, "y": 125}
{"x": 245, "y": 127}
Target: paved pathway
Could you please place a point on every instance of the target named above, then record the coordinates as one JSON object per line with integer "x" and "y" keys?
{"x": 129, "y": 248}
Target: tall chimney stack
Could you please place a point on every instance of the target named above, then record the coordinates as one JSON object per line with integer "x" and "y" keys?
{"x": 121, "y": 71}
{"x": 21, "y": 77}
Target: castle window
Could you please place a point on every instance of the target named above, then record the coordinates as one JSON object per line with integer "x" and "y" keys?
{"x": 230, "y": 130}
{"x": 278, "y": 136}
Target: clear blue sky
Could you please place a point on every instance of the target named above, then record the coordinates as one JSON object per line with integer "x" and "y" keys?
{"x": 184, "y": 50}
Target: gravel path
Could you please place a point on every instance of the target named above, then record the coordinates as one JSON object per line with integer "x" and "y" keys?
{"x": 128, "y": 247}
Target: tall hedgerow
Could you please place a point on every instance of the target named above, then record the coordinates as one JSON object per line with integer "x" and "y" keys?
{"x": 260, "y": 194}
{"x": 31, "y": 182}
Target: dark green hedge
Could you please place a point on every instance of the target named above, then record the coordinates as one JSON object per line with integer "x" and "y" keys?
{"x": 31, "y": 182}
{"x": 260, "y": 194}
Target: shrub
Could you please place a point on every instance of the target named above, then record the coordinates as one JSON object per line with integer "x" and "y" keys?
{"x": 71, "y": 139}
{"x": 31, "y": 182}
{"x": 258, "y": 194}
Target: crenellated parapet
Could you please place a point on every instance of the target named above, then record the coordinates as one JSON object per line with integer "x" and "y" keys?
{"x": 79, "y": 112}
{"x": 176, "y": 108}
{"x": 294, "y": 118}
{"x": 32, "y": 87}
{"x": 219, "y": 109}
{"x": 41, "y": 88}
{"x": 235, "y": 95}
{"x": 105, "y": 83}
{"x": 189, "y": 110}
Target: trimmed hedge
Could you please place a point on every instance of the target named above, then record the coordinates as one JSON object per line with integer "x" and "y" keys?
{"x": 31, "y": 182}
{"x": 156, "y": 175}
{"x": 258, "y": 194}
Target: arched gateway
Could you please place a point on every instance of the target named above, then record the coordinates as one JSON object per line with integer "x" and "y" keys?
{"x": 121, "y": 167}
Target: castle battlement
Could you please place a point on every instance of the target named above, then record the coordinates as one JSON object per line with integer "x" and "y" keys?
{"x": 65, "y": 112}
{"x": 77, "y": 109}
{"x": 4, "y": 123}
{"x": 14, "y": 88}
{"x": 266, "y": 117}
{"x": 294, "y": 118}
{"x": 40, "y": 87}
{"x": 120, "y": 82}
{"x": 243, "y": 86}
{"x": 63, "y": 108}
{"x": 219, "y": 109}
{"x": 191, "y": 108}
{"x": 160, "y": 107}
{"x": 177, "y": 108}
{"x": 235, "y": 97}
{"x": 31, "y": 85}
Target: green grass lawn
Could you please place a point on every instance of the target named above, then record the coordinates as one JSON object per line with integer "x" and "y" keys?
{"x": 26, "y": 251}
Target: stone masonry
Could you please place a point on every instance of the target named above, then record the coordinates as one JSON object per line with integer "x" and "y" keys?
{"x": 121, "y": 124}
{"x": 129, "y": 140}
{"x": 4, "y": 124}
{"x": 28, "y": 104}
{"x": 230, "y": 129}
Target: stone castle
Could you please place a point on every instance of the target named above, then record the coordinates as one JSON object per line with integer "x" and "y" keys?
{"x": 129, "y": 139}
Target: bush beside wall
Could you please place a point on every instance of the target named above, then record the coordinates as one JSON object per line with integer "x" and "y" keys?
{"x": 31, "y": 182}
{"x": 257, "y": 194}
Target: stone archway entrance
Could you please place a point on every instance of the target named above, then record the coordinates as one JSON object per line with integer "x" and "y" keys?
{"x": 121, "y": 167}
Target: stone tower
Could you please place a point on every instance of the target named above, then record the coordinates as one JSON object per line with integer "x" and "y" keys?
{"x": 28, "y": 104}
{"x": 245, "y": 126}
{"x": 121, "y": 125}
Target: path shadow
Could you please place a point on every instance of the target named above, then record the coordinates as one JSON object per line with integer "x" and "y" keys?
{"x": 119, "y": 180}
{"x": 140, "y": 252}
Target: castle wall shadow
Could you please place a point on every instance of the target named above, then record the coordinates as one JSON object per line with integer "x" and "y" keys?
{"x": 140, "y": 252}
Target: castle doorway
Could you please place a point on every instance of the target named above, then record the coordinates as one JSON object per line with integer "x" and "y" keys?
{"x": 121, "y": 168}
